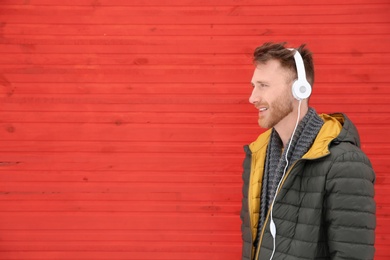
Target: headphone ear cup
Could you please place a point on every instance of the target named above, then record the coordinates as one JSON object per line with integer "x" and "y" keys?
{"x": 301, "y": 89}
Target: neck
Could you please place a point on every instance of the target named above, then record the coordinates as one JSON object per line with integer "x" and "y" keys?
{"x": 285, "y": 128}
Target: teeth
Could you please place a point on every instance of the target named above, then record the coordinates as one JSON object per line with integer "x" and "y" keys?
{"x": 263, "y": 109}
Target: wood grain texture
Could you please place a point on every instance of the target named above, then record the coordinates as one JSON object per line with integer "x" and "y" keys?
{"x": 122, "y": 122}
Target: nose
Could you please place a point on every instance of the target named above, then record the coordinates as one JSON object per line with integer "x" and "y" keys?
{"x": 254, "y": 97}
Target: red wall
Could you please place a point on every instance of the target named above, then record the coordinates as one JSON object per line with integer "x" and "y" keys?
{"x": 122, "y": 122}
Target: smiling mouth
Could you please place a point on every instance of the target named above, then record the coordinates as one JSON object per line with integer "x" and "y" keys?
{"x": 263, "y": 109}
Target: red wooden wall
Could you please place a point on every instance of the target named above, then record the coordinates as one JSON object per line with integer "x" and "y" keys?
{"x": 122, "y": 122}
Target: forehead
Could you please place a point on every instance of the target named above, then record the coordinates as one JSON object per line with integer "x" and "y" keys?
{"x": 270, "y": 71}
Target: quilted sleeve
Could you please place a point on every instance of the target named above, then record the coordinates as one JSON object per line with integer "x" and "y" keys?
{"x": 349, "y": 207}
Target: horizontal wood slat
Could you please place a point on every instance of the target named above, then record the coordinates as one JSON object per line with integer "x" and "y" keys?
{"x": 159, "y": 60}
{"x": 181, "y": 45}
{"x": 238, "y": 90}
{"x": 183, "y": 76}
{"x": 269, "y": 11}
{"x": 192, "y": 30}
{"x": 190, "y": 3}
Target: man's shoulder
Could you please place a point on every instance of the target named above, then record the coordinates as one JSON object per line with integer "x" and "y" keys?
{"x": 346, "y": 151}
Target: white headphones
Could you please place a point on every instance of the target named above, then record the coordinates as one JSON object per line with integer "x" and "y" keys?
{"x": 301, "y": 88}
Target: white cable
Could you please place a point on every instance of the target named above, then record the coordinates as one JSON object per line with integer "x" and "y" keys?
{"x": 272, "y": 225}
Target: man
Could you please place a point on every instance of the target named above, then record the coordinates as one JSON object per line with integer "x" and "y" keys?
{"x": 308, "y": 188}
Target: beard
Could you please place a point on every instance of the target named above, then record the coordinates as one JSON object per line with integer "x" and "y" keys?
{"x": 277, "y": 110}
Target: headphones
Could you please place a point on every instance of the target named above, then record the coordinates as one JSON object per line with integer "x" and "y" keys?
{"x": 301, "y": 88}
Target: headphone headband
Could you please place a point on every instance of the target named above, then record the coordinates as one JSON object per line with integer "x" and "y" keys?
{"x": 300, "y": 65}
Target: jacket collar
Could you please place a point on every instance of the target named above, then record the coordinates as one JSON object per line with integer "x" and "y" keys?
{"x": 330, "y": 130}
{"x": 336, "y": 127}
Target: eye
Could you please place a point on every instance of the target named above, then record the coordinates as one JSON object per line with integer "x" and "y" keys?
{"x": 262, "y": 85}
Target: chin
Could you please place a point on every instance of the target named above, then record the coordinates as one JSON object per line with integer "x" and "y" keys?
{"x": 263, "y": 124}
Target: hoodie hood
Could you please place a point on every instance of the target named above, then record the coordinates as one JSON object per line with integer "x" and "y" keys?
{"x": 337, "y": 128}
{"x": 349, "y": 132}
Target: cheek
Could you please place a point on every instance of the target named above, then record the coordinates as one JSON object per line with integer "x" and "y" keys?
{"x": 287, "y": 93}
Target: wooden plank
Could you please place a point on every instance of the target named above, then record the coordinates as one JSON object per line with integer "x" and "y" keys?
{"x": 198, "y": 178}
{"x": 328, "y": 74}
{"x": 118, "y": 246}
{"x": 184, "y": 45}
{"x": 99, "y": 221}
{"x": 87, "y": 17}
{"x": 114, "y": 255}
{"x": 158, "y": 60}
{"x": 205, "y": 11}
{"x": 134, "y": 132}
{"x": 153, "y": 3}
{"x": 35, "y": 104}
{"x": 209, "y": 119}
{"x": 136, "y": 60}
{"x": 224, "y": 147}
{"x": 130, "y": 165}
{"x": 119, "y": 235}
{"x": 241, "y": 89}
{"x": 120, "y": 206}
{"x": 115, "y": 196}
{"x": 194, "y": 100}
{"x": 12, "y": 30}
{"x": 183, "y": 99}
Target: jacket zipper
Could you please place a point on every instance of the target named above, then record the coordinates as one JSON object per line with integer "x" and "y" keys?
{"x": 269, "y": 212}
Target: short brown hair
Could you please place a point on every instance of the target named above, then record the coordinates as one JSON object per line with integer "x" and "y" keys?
{"x": 278, "y": 51}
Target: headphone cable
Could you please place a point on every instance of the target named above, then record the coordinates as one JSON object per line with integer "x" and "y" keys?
{"x": 272, "y": 225}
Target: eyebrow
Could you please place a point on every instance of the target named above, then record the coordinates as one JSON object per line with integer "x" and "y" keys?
{"x": 260, "y": 82}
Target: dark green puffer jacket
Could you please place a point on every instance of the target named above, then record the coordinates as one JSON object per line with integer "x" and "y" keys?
{"x": 325, "y": 207}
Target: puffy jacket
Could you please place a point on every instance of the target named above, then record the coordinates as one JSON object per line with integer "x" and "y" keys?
{"x": 325, "y": 206}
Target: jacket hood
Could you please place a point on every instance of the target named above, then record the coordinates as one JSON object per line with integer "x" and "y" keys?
{"x": 349, "y": 132}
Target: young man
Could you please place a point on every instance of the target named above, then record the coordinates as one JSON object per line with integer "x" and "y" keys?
{"x": 308, "y": 188}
